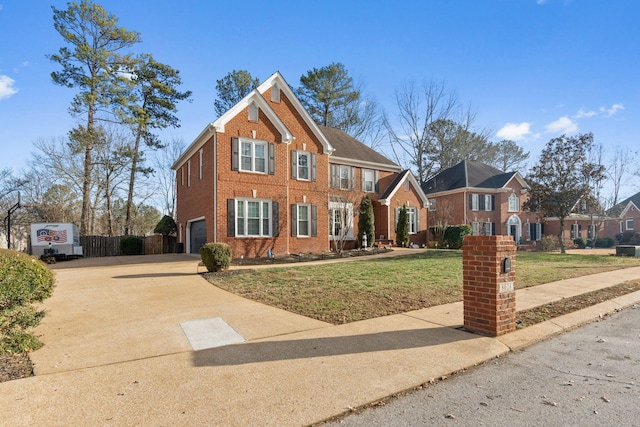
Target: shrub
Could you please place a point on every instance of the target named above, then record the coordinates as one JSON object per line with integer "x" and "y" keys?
{"x": 580, "y": 242}
{"x": 166, "y": 226}
{"x": 605, "y": 242}
{"x": 454, "y": 235}
{"x": 366, "y": 222}
{"x": 624, "y": 237}
{"x": 23, "y": 280}
{"x": 216, "y": 256}
{"x": 549, "y": 243}
{"x": 402, "y": 229}
{"x": 131, "y": 245}
{"x": 635, "y": 239}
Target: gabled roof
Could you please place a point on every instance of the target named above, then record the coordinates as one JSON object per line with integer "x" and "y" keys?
{"x": 255, "y": 97}
{"x": 623, "y": 206}
{"x": 470, "y": 174}
{"x": 349, "y": 150}
{"x": 278, "y": 81}
{"x": 398, "y": 181}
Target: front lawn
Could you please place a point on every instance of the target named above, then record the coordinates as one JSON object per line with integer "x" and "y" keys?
{"x": 346, "y": 292}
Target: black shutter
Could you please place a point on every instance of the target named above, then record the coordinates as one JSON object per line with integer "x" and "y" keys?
{"x": 313, "y": 166}
{"x": 234, "y": 154}
{"x": 294, "y": 164}
{"x": 294, "y": 220}
{"x": 375, "y": 177}
{"x": 493, "y": 203}
{"x": 471, "y": 201}
{"x": 272, "y": 159}
{"x": 493, "y": 228}
{"x": 541, "y": 231}
{"x": 314, "y": 220}
{"x": 231, "y": 217}
{"x": 481, "y": 202}
{"x": 275, "y": 219}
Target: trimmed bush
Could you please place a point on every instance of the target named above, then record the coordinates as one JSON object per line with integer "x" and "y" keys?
{"x": 24, "y": 280}
{"x": 402, "y": 228}
{"x": 216, "y": 256}
{"x": 454, "y": 235}
{"x": 605, "y": 242}
{"x": 131, "y": 245}
{"x": 580, "y": 242}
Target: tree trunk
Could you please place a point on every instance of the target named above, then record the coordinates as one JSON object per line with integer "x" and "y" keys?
{"x": 132, "y": 178}
{"x": 561, "y": 237}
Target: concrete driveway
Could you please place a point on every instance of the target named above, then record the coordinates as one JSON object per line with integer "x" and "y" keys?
{"x": 116, "y": 309}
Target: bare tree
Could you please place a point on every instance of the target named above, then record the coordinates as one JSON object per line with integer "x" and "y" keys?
{"x": 411, "y": 135}
{"x": 440, "y": 219}
{"x": 622, "y": 159}
{"x": 164, "y": 176}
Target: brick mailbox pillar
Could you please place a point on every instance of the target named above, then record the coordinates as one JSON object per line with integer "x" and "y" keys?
{"x": 489, "y": 275}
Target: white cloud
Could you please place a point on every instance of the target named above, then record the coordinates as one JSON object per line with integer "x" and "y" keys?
{"x": 608, "y": 112}
{"x": 6, "y": 87}
{"x": 514, "y": 131}
{"x": 582, "y": 114}
{"x": 563, "y": 125}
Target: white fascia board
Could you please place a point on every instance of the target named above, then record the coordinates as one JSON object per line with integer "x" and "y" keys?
{"x": 195, "y": 146}
{"x": 520, "y": 180}
{"x": 626, "y": 208}
{"x": 257, "y": 98}
{"x": 471, "y": 190}
{"x": 276, "y": 79}
{"x": 412, "y": 180}
{"x": 364, "y": 164}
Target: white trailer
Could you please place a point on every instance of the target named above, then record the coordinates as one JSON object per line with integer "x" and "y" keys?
{"x": 59, "y": 240}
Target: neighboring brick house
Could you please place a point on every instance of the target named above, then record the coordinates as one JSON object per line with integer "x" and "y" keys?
{"x": 487, "y": 199}
{"x": 264, "y": 177}
{"x": 582, "y": 222}
{"x": 623, "y": 217}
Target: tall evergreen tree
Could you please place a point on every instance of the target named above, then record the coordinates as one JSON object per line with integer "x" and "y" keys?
{"x": 366, "y": 222}
{"x": 232, "y": 88}
{"x": 92, "y": 64}
{"x": 156, "y": 97}
{"x": 402, "y": 229}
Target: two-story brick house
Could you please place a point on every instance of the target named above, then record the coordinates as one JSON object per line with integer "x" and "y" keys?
{"x": 623, "y": 217}
{"x": 487, "y": 199}
{"x": 264, "y": 176}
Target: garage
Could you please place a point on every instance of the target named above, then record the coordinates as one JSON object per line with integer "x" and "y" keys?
{"x": 197, "y": 236}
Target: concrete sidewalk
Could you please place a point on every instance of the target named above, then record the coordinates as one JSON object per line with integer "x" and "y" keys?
{"x": 115, "y": 353}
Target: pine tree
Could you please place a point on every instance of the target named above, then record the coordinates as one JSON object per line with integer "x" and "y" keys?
{"x": 402, "y": 229}
{"x": 366, "y": 222}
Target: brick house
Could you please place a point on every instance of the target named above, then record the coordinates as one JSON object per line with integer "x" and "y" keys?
{"x": 623, "y": 217}
{"x": 487, "y": 199}
{"x": 264, "y": 176}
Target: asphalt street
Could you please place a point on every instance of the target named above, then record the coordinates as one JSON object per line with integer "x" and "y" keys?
{"x": 586, "y": 377}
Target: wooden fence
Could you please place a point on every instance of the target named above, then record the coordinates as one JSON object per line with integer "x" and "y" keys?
{"x": 99, "y": 246}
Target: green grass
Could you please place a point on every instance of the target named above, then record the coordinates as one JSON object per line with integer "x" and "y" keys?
{"x": 349, "y": 291}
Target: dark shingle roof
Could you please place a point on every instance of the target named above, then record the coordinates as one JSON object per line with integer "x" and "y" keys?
{"x": 467, "y": 173}
{"x": 396, "y": 181}
{"x": 350, "y": 148}
{"x": 617, "y": 209}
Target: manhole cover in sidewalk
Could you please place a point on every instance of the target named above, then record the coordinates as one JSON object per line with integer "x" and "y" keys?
{"x": 210, "y": 333}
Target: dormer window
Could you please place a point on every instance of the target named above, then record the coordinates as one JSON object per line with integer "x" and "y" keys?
{"x": 253, "y": 112}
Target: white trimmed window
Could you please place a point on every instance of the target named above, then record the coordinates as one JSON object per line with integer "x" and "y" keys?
{"x": 488, "y": 229}
{"x": 514, "y": 203}
{"x": 487, "y": 204}
{"x": 368, "y": 180}
{"x": 575, "y": 231}
{"x": 474, "y": 203}
{"x": 475, "y": 228}
{"x": 304, "y": 220}
{"x": 412, "y": 214}
{"x": 200, "y": 167}
{"x": 341, "y": 219}
{"x": 189, "y": 173}
{"x": 342, "y": 177}
{"x": 629, "y": 223}
{"x": 303, "y": 165}
{"x": 253, "y": 218}
{"x": 253, "y": 156}
{"x": 432, "y": 205}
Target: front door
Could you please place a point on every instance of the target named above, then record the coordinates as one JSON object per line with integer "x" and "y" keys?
{"x": 513, "y": 230}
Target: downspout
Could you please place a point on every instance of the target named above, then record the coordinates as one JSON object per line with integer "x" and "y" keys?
{"x": 287, "y": 207}
{"x": 215, "y": 184}
{"x": 465, "y": 208}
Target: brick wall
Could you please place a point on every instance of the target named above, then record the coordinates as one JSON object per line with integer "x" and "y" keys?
{"x": 488, "y": 292}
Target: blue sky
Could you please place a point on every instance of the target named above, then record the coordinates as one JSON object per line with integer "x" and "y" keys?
{"x": 533, "y": 69}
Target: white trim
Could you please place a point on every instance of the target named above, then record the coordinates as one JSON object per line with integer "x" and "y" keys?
{"x": 364, "y": 164}
{"x": 414, "y": 183}
{"x": 277, "y": 79}
{"x": 187, "y": 241}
